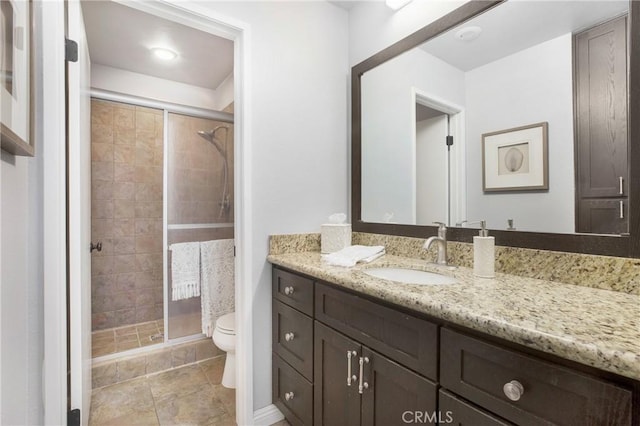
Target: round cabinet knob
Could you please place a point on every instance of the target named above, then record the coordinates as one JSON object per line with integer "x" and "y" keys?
{"x": 288, "y": 396}
{"x": 288, "y": 291}
{"x": 513, "y": 390}
{"x": 289, "y": 336}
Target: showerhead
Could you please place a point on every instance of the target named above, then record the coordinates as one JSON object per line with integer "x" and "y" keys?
{"x": 210, "y": 136}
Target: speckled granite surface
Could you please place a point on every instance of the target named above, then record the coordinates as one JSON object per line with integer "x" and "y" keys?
{"x": 604, "y": 272}
{"x": 594, "y": 327}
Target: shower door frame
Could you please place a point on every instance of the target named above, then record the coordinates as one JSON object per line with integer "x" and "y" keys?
{"x": 188, "y": 111}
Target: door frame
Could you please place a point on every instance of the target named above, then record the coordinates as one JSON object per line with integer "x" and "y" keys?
{"x": 456, "y": 209}
{"x": 202, "y": 18}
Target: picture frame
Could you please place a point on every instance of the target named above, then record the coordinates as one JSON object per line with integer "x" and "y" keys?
{"x": 16, "y": 77}
{"x": 516, "y": 159}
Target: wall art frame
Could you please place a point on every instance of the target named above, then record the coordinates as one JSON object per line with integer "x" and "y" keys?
{"x": 16, "y": 77}
{"x": 516, "y": 159}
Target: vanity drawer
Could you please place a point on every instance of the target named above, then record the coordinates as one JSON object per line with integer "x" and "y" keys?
{"x": 458, "y": 412}
{"x": 552, "y": 394}
{"x": 298, "y": 328}
{"x": 410, "y": 341}
{"x": 292, "y": 393}
{"x": 294, "y": 290}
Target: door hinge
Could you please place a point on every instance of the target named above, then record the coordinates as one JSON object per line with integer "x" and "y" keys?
{"x": 73, "y": 417}
{"x": 449, "y": 140}
{"x": 70, "y": 50}
{"x": 234, "y": 251}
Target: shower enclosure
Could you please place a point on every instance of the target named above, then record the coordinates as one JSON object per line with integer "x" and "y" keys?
{"x": 161, "y": 174}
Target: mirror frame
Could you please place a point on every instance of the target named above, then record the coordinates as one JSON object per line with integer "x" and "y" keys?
{"x": 626, "y": 245}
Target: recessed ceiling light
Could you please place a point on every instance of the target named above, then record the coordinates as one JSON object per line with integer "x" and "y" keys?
{"x": 164, "y": 53}
{"x": 468, "y": 33}
{"x": 397, "y": 4}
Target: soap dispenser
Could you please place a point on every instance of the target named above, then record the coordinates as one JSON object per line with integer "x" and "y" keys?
{"x": 484, "y": 253}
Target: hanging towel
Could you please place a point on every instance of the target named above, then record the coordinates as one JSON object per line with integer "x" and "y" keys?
{"x": 351, "y": 255}
{"x": 185, "y": 270}
{"x": 218, "y": 275}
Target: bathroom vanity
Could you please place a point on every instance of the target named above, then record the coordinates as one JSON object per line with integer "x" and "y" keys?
{"x": 351, "y": 349}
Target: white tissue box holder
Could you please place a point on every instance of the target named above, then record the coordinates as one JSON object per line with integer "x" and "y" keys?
{"x": 334, "y": 237}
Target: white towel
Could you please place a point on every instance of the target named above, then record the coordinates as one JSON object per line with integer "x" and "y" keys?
{"x": 185, "y": 270}
{"x": 351, "y": 255}
{"x": 218, "y": 275}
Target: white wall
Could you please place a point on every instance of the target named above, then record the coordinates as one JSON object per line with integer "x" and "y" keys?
{"x": 21, "y": 291}
{"x": 145, "y": 86}
{"x": 528, "y": 87}
{"x": 388, "y": 129}
{"x": 299, "y": 74}
{"x": 373, "y": 26}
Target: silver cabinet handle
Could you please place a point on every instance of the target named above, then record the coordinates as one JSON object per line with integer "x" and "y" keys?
{"x": 350, "y": 377}
{"x": 289, "y": 396}
{"x": 513, "y": 390}
{"x": 289, "y": 336}
{"x": 288, "y": 290}
{"x": 362, "y": 386}
{"x": 621, "y": 185}
{"x": 621, "y": 209}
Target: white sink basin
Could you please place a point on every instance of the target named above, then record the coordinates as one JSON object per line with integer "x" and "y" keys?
{"x": 409, "y": 276}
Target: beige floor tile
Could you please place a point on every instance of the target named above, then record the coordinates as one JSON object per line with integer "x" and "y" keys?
{"x": 178, "y": 382}
{"x": 224, "y": 420}
{"x": 199, "y": 408}
{"x": 102, "y": 334}
{"x": 145, "y": 417}
{"x": 227, "y": 397}
{"x": 213, "y": 369}
{"x": 119, "y": 400}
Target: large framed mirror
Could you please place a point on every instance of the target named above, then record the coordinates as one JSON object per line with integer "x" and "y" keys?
{"x": 523, "y": 114}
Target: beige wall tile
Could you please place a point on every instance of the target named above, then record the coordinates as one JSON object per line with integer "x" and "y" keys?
{"x": 124, "y": 191}
{"x": 123, "y": 227}
{"x": 101, "y": 228}
{"x": 124, "y": 172}
{"x": 124, "y": 154}
{"x": 148, "y": 243}
{"x": 101, "y": 151}
{"x": 124, "y": 245}
{"x": 125, "y": 282}
{"x": 124, "y": 118}
{"x": 131, "y": 368}
{"x": 124, "y": 263}
{"x": 158, "y": 361}
{"x": 102, "y": 265}
{"x": 101, "y": 170}
{"x": 123, "y": 209}
{"x": 103, "y": 375}
{"x": 123, "y": 136}
{"x": 102, "y": 209}
{"x": 144, "y": 297}
{"x": 102, "y": 190}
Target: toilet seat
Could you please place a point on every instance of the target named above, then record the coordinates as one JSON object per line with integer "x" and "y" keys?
{"x": 227, "y": 323}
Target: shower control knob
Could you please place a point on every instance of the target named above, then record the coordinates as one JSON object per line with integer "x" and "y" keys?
{"x": 288, "y": 290}
{"x": 97, "y": 247}
{"x": 513, "y": 390}
{"x": 289, "y": 396}
{"x": 289, "y": 336}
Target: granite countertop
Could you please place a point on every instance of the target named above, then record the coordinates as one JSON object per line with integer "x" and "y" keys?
{"x": 599, "y": 328}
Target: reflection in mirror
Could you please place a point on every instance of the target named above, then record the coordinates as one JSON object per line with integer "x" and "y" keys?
{"x": 515, "y": 65}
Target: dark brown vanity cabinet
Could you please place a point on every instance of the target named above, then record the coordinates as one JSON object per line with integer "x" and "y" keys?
{"x": 292, "y": 337}
{"x": 357, "y": 386}
{"x": 527, "y": 390}
{"x": 344, "y": 359}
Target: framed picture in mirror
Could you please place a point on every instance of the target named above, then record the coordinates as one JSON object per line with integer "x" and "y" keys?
{"x": 16, "y": 77}
{"x": 516, "y": 159}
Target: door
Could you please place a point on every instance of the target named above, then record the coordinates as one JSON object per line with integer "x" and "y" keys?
{"x": 394, "y": 395}
{"x": 79, "y": 213}
{"x": 336, "y": 399}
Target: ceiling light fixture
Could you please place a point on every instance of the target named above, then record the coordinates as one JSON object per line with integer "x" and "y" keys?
{"x": 164, "y": 53}
{"x": 468, "y": 33}
{"x": 397, "y": 4}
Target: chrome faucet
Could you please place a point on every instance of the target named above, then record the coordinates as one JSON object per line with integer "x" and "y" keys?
{"x": 441, "y": 240}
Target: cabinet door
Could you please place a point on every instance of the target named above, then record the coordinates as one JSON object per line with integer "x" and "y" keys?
{"x": 394, "y": 395}
{"x": 336, "y": 402}
{"x": 601, "y": 109}
{"x": 455, "y": 411}
{"x": 603, "y": 216}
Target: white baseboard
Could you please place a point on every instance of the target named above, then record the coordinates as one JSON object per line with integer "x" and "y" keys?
{"x": 267, "y": 416}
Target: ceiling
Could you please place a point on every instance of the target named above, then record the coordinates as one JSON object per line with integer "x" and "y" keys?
{"x": 520, "y": 24}
{"x": 120, "y": 37}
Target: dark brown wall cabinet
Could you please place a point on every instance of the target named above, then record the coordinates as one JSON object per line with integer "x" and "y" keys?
{"x": 340, "y": 359}
{"x": 600, "y": 69}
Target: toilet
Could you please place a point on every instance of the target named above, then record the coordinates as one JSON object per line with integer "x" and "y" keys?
{"x": 224, "y": 337}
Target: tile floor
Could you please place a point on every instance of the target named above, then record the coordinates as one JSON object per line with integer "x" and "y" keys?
{"x": 190, "y": 395}
{"x": 105, "y": 342}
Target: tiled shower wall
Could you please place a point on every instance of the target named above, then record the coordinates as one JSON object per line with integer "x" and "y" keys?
{"x": 126, "y": 216}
